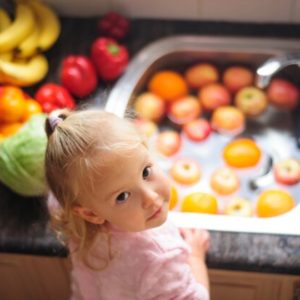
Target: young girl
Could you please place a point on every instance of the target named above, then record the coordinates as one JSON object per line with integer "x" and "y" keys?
{"x": 113, "y": 206}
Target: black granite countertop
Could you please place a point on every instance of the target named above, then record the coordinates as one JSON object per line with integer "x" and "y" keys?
{"x": 24, "y": 221}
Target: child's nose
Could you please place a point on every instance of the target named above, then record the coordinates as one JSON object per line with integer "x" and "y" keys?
{"x": 150, "y": 198}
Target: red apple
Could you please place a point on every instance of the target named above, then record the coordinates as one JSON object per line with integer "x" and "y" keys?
{"x": 185, "y": 171}
{"x": 251, "y": 101}
{"x": 150, "y": 107}
{"x": 213, "y": 96}
{"x": 168, "y": 142}
{"x": 224, "y": 181}
{"x": 197, "y": 130}
{"x": 283, "y": 93}
{"x": 287, "y": 171}
{"x": 237, "y": 77}
{"x": 239, "y": 207}
{"x": 201, "y": 74}
{"x": 228, "y": 120}
{"x": 184, "y": 110}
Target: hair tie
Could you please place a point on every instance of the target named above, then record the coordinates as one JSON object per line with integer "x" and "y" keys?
{"x": 54, "y": 120}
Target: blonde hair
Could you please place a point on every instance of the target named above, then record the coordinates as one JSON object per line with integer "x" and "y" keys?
{"x": 78, "y": 144}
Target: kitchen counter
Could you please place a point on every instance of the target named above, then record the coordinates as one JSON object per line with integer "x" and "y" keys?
{"x": 24, "y": 221}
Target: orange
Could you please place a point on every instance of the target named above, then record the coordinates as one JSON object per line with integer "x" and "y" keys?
{"x": 169, "y": 85}
{"x": 272, "y": 203}
{"x": 200, "y": 203}
{"x": 173, "y": 198}
{"x": 8, "y": 129}
{"x": 2, "y": 137}
{"x": 242, "y": 153}
{"x": 31, "y": 107}
{"x": 12, "y": 104}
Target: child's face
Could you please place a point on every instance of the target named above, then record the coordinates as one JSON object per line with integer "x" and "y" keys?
{"x": 134, "y": 194}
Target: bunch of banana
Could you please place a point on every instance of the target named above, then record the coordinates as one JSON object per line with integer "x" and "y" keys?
{"x": 34, "y": 29}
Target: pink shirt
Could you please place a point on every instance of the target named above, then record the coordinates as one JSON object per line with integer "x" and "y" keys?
{"x": 148, "y": 265}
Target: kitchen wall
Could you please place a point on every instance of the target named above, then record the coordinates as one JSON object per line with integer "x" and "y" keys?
{"x": 274, "y": 11}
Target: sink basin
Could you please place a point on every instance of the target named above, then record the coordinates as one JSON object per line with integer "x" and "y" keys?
{"x": 273, "y": 130}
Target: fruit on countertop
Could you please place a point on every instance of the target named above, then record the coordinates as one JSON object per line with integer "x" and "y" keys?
{"x": 199, "y": 202}
{"x": 224, "y": 181}
{"x": 78, "y": 75}
{"x": 184, "y": 110}
{"x": 19, "y": 29}
{"x": 201, "y": 74}
{"x": 34, "y": 29}
{"x": 15, "y": 109}
{"x": 242, "y": 153}
{"x": 109, "y": 57}
{"x": 251, "y": 101}
{"x": 274, "y": 202}
{"x": 197, "y": 130}
{"x": 149, "y": 106}
{"x": 237, "y": 77}
{"x": 283, "y": 93}
{"x": 228, "y": 120}
{"x": 24, "y": 73}
{"x": 214, "y": 95}
{"x": 52, "y": 96}
{"x": 185, "y": 171}
{"x": 239, "y": 207}
{"x": 169, "y": 85}
{"x": 168, "y": 142}
{"x": 287, "y": 171}
{"x": 113, "y": 25}
{"x": 12, "y": 104}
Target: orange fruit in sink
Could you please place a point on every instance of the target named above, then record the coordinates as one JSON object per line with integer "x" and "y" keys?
{"x": 271, "y": 203}
{"x": 173, "y": 198}
{"x": 200, "y": 203}
{"x": 169, "y": 85}
{"x": 242, "y": 153}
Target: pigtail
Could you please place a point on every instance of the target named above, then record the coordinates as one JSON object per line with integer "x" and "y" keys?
{"x": 54, "y": 119}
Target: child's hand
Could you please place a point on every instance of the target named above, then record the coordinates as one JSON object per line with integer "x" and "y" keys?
{"x": 198, "y": 240}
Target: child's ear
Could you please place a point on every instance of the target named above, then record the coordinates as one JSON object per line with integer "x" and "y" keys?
{"x": 87, "y": 214}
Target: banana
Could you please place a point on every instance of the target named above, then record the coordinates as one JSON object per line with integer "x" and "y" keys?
{"x": 5, "y": 20}
{"x": 20, "y": 28}
{"x": 28, "y": 47}
{"x": 7, "y": 56}
{"x": 49, "y": 24}
{"x": 24, "y": 73}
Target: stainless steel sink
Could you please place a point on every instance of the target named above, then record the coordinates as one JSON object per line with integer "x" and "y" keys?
{"x": 273, "y": 130}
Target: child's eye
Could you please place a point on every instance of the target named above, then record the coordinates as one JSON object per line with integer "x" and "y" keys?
{"x": 122, "y": 197}
{"x": 147, "y": 172}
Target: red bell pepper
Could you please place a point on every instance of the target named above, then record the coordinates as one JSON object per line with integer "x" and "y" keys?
{"x": 52, "y": 96}
{"x": 114, "y": 25}
{"x": 78, "y": 75}
{"x": 109, "y": 57}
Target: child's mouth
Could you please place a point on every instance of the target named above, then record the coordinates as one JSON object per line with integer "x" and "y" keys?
{"x": 156, "y": 214}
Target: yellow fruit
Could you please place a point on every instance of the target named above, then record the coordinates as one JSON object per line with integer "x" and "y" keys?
{"x": 272, "y": 203}
{"x": 242, "y": 153}
{"x": 200, "y": 203}
{"x": 173, "y": 198}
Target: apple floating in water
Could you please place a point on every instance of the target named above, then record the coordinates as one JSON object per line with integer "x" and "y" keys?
{"x": 287, "y": 171}
{"x": 185, "y": 171}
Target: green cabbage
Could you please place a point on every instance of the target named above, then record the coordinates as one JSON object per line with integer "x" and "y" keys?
{"x": 22, "y": 158}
